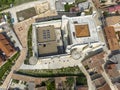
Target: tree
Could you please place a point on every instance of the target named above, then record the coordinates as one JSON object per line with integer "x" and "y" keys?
{"x": 69, "y": 82}
{"x": 81, "y": 80}
{"x": 50, "y": 84}
{"x": 67, "y": 7}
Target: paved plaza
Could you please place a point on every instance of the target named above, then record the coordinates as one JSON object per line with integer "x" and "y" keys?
{"x": 54, "y": 63}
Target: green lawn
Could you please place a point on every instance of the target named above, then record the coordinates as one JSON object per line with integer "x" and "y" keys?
{"x": 5, "y": 69}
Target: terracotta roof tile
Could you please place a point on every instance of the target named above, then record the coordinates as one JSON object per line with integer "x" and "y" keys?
{"x": 5, "y": 46}
{"x": 112, "y": 20}
{"x": 118, "y": 85}
{"x": 82, "y": 88}
{"x": 104, "y": 87}
{"x": 111, "y": 38}
{"x": 112, "y": 70}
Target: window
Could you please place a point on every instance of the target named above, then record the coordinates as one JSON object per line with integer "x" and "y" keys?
{"x": 46, "y": 34}
{"x": 44, "y": 45}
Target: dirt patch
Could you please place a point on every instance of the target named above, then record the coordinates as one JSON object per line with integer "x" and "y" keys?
{"x": 26, "y": 14}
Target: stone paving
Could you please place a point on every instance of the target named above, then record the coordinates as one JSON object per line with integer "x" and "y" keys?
{"x": 54, "y": 63}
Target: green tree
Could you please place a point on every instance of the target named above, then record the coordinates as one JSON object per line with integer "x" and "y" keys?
{"x": 50, "y": 84}
{"x": 69, "y": 82}
{"x": 81, "y": 80}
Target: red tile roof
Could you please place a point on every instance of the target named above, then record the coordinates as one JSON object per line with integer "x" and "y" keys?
{"x": 95, "y": 62}
{"x": 111, "y": 38}
{"x": 118, "y": 86}
{"x": 111, "y": 9}
{"x": 1, "y": 37}
{"x": 104, "y": 87}
{"x": 5, "y": 46}
{"x": 99, "y": 82}
{"x": 117, "y": 7}
{"x": 111, "y": 66}
{"x": 82, "y": 88}
{"x": 112, "y": 70}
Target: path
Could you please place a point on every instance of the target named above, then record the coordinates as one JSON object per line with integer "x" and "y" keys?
{"x": 15, "y": 67}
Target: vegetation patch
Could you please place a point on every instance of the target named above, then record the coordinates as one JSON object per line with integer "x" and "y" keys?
{"x": 50, "y": 84}
{"x": 29, "y": 45}
{"x": 5, "y": 4}
{"x": 79, "y": 1}
{"x": 81, "y": 80}
{"x": 15, "y": 81}
{"x": 18, "y": 2}
{"x": 68, "y": 6}
{"x": 69, "y": 71}
{"x": 106, "y": 14}
{"x": 6, "y": 68}
{"x": 72, "y": 74}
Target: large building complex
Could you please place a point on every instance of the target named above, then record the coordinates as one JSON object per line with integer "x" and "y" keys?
{"x": 81, "y": 35}
{"x": 82, "y": 29}
{"x": 72, "y": 35}
{"x": 47, "y": 38}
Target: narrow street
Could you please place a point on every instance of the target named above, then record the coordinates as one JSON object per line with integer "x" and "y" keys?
{"x": 89, "y": 82}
